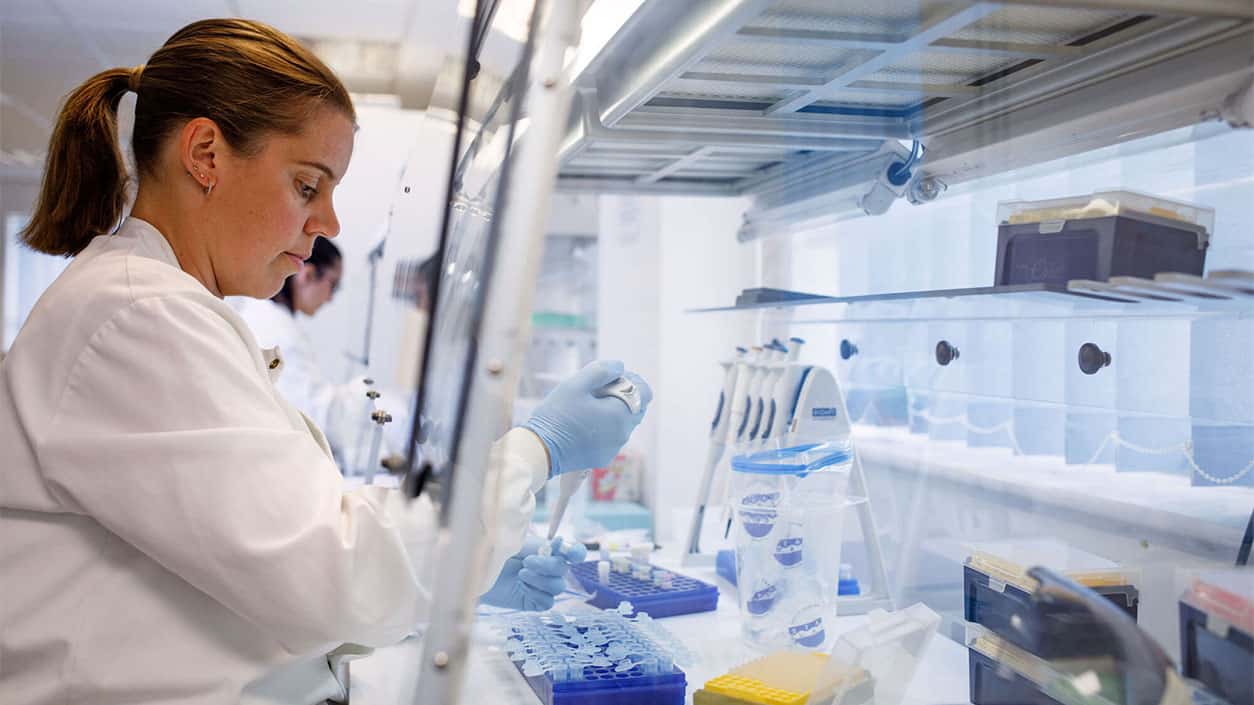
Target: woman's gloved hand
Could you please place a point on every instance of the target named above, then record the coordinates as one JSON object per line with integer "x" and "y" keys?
{"x": 530, "y": 581}
{"x": 583, "y": 431}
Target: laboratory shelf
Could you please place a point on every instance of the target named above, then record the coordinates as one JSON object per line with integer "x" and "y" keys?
{"x": 1202, "y": 522}
{"x": 1168, "y": 295}
{"x": 684, "y": 596}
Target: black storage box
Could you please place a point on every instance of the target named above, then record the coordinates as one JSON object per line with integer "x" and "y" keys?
{"x": 1047, "y": 631}
{"x": 1108, "y": 235}
{"x": 995, "y": 684}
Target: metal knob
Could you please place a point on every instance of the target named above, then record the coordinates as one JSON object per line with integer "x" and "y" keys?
{"x": 1092, "y": 358}
{"x": 381, "y": 417}
{"x": 847, "y": 349}
{"x": 945, "y": 353}
{"x": 372, "y": 394}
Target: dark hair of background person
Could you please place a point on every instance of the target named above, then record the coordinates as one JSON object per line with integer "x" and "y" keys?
{"x": 249, "y": 78}
{"x": 325, "y": 255}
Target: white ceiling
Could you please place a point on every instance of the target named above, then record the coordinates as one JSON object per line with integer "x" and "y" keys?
{"x": 47, "y": 47}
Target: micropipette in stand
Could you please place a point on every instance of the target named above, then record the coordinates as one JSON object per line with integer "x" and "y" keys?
{"x": 625, "y": 391}
{"x": 734, "y": 370}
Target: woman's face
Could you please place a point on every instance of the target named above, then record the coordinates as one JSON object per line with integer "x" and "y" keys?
{"x": 277, "y": 202}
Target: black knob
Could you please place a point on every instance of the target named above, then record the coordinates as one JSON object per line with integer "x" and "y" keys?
{"x": 1092, "y": 358}
{"x": 847, "y": 349}
{"x": 945, "y": 353}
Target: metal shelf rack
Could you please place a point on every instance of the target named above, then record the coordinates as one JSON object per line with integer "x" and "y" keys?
{"x": 761, "y": 97}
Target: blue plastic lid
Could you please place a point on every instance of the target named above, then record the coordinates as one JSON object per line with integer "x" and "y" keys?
{"x": 784, "y": 461}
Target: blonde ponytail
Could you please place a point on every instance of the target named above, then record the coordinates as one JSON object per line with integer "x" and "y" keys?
{"x": 84, "y": 181}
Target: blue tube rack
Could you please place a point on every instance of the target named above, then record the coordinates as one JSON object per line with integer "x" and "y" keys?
{"x": 553, "y": 651}
{"x": 685, "y": 596}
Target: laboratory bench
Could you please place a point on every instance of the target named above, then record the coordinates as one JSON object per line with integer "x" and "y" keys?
{"x": 386, "y": 677}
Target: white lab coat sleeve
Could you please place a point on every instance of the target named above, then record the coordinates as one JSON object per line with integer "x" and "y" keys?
{"x": 524, "y": 466}
{"x": 523, "y": 463}
{"x": 168, "y": 435}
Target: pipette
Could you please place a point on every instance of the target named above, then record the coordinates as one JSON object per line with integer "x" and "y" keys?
{"x": 625, "y": 391}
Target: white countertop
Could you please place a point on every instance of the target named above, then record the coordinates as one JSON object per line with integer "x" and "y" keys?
{"x": 386, "y": 677}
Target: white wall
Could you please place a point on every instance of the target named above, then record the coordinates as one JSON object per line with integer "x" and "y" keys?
{"x": 658, "y": 258}
{"x": 388, "y": 140}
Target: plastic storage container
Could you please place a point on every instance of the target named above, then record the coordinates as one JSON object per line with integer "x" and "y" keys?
{"x": 998, "y": 596}
{"x": 1108, "y": 234}
{"x": 683, "y": 596}
{"x": 789, "y": 513}
{"x": 1002, "y": 674}
{"x": 1217, "y": 634}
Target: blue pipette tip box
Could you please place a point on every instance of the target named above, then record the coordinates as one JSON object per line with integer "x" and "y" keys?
{"x": 685, "y": 596}
{"x": 606, "y": 686}
{"x": 602, "y": 686}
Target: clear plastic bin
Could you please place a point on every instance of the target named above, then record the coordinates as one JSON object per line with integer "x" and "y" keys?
{"x": 789, "y": 505}
{"x": 1095, "y": 238}
{"x": 871, "y": 665}
{"x": 889, "y": 647}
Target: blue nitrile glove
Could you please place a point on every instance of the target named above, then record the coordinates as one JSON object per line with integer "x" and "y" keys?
{"x": 530, "y": 581}
{"x": 582, "y": 431}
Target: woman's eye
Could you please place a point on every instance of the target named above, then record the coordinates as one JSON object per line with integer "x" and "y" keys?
{"x": 307, "y": 191}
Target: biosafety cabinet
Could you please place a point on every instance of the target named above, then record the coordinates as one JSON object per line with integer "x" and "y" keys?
{"x": 1022, "y": 235}
{"x": 1019, "y": 232}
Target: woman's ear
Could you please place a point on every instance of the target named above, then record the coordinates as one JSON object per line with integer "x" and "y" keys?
{"x": 199, "y": 144}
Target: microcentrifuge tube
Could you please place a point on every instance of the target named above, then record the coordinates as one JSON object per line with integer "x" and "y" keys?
{"x": 640, "y": 552}
{"x": 603, "y": 572}
{"x": 545, "y": 549}
{"x": 605, "y": 554}
{"x": 561, "y": 672}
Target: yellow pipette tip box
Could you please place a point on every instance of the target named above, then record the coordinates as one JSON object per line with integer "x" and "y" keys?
{"x": 781, "y": 678}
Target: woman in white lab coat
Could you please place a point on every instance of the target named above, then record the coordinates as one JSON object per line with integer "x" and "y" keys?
{"x": 171, "y": 529}
{"x": 276, "y": 323}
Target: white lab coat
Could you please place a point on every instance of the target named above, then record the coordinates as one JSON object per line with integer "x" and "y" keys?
{"x": 340, "y": 411}
{"x": 172, "y": 530}
{"x": 301, "y": 383}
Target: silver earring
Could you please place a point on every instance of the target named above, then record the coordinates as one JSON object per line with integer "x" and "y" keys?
{"x": 208, "y": 188}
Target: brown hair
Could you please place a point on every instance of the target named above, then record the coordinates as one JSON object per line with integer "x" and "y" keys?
{"x": 249, "y": 78}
